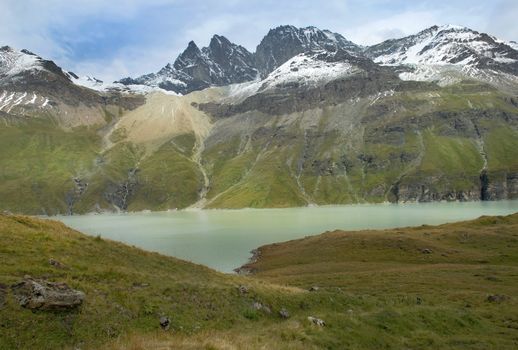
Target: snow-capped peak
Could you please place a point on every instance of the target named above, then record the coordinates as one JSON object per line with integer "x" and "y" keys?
{"x": 305, "y": 70}
{"x": 444, "y": 45}
{"x": 14, "y": 62}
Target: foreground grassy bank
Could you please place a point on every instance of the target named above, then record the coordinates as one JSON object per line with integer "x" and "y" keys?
{"x": 424, "y": 287}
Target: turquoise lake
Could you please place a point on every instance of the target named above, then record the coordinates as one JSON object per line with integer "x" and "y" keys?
{"x": 223, "y": 239}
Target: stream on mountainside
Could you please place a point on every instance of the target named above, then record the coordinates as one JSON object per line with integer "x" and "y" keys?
{"x": 223, "y": 239}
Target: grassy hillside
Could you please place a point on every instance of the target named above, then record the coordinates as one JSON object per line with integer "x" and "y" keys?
{"x": 38, "y": 163}
{"x": 423, "y": 287}
{"x": 127, "y": 290}
{"x": 377, "y": 289}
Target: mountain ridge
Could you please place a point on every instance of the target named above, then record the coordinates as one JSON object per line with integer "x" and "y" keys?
{"x": 286, "y": 41}
{"x": 225, "y": 63}
{"x": 279, "y": 45}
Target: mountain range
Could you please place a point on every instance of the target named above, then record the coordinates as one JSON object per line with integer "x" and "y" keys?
{"x": 308, "y": 118}
{"x": 224, "y": 63}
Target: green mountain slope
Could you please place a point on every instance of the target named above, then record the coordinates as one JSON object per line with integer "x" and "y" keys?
{"x": 420, "y": 144}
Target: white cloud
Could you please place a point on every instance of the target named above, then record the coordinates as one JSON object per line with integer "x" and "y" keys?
{"x": 128, "y": 62}
{"x": 502, "y": 21}
{"x": 400, "y": 25}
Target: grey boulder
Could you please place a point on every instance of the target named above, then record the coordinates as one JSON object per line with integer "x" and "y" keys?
{"x": 36, "y": 294}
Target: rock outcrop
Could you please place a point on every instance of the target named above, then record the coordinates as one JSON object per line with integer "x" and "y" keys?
{"x": 37, "y": 294}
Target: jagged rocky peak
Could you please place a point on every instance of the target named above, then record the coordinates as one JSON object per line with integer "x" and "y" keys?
{"x": 224, "y": 63}
{"x": 221, "y": 63}
{"x": 285, "y": 42}
{"x": 449, "y": 44}
{"x": 235, "y": 61}
{"x": 190, "y": 56}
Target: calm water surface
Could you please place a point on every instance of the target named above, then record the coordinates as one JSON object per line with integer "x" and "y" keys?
{"x": 222, "y": 239}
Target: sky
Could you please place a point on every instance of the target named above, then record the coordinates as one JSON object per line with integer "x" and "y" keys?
{"x": 111, "y": 39}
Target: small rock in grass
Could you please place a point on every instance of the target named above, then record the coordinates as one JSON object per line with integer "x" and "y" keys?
{"x": 493, "y": 279}
{"x": 426, "y": 251}
{"x": 56, "y": 263}
{"x": 284, "y": 313}
{"x": 137, "y": 285}
{"x": 316, "y": 321}
{"x": 314, "y": 289}
{"x": 497, "y": 298}
{"x": 243, "y": 289}
{"x": 261, "y": 307}
{"x": 165, "y": 323}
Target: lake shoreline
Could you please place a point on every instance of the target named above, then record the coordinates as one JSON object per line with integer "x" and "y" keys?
{"x": 189, "y": 209}
{"x": 223, "y": 239}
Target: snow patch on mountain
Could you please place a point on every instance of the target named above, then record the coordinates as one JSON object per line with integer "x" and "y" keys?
{"x": 304, "y": 70}
{"x": 441, "y": 74}
{"x": 445, "y": 75}
{"x": 98, "y": 85}
{"x": 14, "y": 62}
{"x": 11, "y": 99}
{"x": 307, "y": 70}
